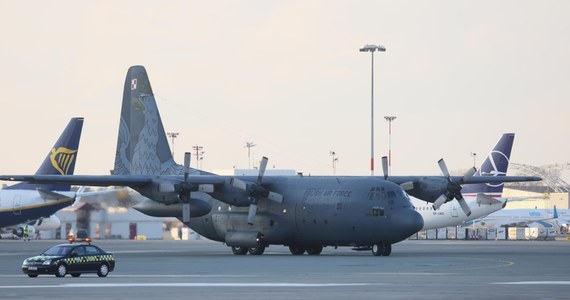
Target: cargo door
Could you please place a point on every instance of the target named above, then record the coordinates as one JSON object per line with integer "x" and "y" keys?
{"x": 17, "y": 208}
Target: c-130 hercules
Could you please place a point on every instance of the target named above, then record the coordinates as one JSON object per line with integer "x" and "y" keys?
{"x": 249, "y": 213}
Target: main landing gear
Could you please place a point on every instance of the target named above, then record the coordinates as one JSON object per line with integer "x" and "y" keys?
{"x": 244, "y": 250}
{"x": 381, "y": 249}
{"x": 313, "y": 250}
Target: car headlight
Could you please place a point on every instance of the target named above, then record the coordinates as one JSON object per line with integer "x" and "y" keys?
{"x": 25, "y": 263}
{"x": 47, "y": 262}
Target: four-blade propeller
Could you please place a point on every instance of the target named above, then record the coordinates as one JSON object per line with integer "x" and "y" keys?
{"x": 256, "y": 191}
{"x": 453, "y": 188}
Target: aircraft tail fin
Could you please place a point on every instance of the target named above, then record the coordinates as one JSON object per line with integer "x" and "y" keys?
{"x": 496, "y": 164}
{"x": 142, "y": 146}
{"x": 60, "y": 160}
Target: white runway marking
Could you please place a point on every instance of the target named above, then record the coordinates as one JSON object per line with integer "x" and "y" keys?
{"x": 535, "y": 283}
{"x": 170, "y": 285}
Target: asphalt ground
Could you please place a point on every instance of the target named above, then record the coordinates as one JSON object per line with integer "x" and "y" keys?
{"x": 208, "y": 270}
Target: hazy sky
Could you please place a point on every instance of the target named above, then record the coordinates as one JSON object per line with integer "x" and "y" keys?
{"x": 288, "y": 76}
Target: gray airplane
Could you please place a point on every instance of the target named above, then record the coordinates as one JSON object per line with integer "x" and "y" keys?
{"x": 249, "y": 213}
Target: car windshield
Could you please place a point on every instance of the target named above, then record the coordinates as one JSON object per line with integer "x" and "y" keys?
{"x": 60, "y": 250}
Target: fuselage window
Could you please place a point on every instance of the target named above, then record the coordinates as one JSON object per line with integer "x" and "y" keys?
{"x": 377, "y": 212}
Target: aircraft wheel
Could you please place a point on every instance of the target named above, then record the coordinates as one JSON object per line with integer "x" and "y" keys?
{"x": 296, "y": 250}
{"x": 381, "y": 249}
{"x": 257, "y": 250}
{"x": 376, "y": 250}
{"x": 386, "y": 249}
{"x": 315, "y": 250}
{"x": 239, "y": 250}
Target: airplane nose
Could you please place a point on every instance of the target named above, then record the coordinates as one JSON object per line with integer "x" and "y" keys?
{"x": 408, "y": 222}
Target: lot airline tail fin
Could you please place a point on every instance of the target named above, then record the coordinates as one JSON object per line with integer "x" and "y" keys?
{"x": 142, "y": 146}
{"x": 496, "y": 164}
{"x": 60, "y": 160}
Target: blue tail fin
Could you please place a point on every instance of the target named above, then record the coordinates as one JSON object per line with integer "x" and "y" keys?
{"x": 60, "y": 160}
{"x": 496, "y": 164}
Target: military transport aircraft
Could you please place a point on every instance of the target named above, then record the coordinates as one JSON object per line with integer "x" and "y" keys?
{"x": 250, "y": 213}
{"x": 24, "y": 202}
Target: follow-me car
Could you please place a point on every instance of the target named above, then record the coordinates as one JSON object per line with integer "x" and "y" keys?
{"x": 71, "y": 259}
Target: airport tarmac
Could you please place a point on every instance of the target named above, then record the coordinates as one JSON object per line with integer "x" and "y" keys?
{"x": 204, "y": 269}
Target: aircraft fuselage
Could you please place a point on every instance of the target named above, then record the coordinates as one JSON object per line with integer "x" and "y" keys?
{"x": 316, "y": 211}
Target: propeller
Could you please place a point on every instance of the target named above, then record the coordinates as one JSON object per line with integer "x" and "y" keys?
{"x": 406, "y": 186}
{"x": 453, "y": 188}
{"x": 186, "y": 189}
{"x": 256, "y": 191}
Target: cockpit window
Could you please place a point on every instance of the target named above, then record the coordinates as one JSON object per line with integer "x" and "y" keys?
{"x": 377, "y": 193}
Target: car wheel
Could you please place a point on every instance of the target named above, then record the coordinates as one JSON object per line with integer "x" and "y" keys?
{"x": 239, "y": 250}
{"x": 103, "y": 270}
{"x": 33, "y": 275}
{"x": 61, "y": 270}
{"x": 75, "y": 274}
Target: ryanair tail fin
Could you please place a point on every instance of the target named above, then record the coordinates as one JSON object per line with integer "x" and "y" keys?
{"x": 142, "y": 146}
{"x": 496, "y": 164}
{"x": 60, "y": 160}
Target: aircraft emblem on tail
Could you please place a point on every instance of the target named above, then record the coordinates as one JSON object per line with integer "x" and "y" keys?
{"x": 498, "y": 163}
{"x": 62, "y": 158}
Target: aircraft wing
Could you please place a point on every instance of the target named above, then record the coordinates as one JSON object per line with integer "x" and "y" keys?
{"x": 110, "y": 180}
{"x": 427, "y": 188}
{"x": 470, "y": 180}
{"x": 442, "y": 188}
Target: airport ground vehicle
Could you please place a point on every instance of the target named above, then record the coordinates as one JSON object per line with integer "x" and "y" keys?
{"x": 73, "y": 258}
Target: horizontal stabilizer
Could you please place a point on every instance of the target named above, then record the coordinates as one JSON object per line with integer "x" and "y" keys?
{"x": 484, "y": 199}
{"x": 49, "y": 195}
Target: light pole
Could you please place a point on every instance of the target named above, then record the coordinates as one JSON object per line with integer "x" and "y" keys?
{"x": 199, "y": 154}
{"x": 372, "y": 49}
{"x": 249, "y": 145}
{"x": 390, "y": 119}
{"x": 172, "y": 135}
{"x": 334, "y": 160}
{"x": 474, "y": 155}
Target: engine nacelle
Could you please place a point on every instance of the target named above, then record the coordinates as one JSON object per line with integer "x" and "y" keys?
{"x": 160, "y": 191}
{"x": 198, "y": 207}
{"x": 249, "y": 239}
{"x": 429, "y": 188}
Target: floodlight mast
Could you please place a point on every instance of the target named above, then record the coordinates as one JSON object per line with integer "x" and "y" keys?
{"x": 372, "y": 49}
